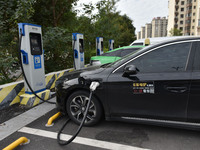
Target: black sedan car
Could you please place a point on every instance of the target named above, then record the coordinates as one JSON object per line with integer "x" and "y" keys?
{"x": 159, "y": 85}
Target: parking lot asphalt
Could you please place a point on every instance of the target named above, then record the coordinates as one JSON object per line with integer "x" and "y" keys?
{"x": 105, "y": 135}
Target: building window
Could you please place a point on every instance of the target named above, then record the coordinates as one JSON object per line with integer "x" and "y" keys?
{"x": 182, "y": 3}
{"x": 181, "y": 22}
{"x": 182, "y": 15}
{"x": 193, "y": 20}
{"x": 194, "y": 7}
{"x": 188, "y": 21}
{"x": 192, "y": 27}
{"x": 181, "y": 28}
{"x": 182, "y": 9}
{"x": 189, "y": 15}
{"x": 193, "y": 14}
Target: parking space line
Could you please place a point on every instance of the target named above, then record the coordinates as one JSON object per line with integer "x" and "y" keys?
{"x": 79, "y": 140}
{"x": 25, "y": 118}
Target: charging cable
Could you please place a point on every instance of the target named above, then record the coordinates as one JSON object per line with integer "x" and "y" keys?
{"x": 93, "y": 87}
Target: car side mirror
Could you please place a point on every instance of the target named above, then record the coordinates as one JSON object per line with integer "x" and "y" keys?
{"x": 130, "y": 70}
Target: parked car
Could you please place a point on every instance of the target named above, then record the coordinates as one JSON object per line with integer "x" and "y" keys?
{"x": 158, "y": 85}
{"x": 113, "y": 55}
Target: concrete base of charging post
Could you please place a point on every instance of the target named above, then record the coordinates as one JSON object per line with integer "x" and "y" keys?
{"x": 31, "y": 100}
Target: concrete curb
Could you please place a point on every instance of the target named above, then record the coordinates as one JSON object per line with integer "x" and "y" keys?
{"x": 10, "y": 93}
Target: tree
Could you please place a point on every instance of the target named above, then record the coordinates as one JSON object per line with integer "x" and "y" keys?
{"x": 59, "y": 20}
{"x": 111, "y": 24}
{"x": 12, "y": 12}
{"x": 175, "y": 32}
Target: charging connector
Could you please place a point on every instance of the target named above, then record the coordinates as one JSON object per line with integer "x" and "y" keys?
{"x": 94, "y": 85}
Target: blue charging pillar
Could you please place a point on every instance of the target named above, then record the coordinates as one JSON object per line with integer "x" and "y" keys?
{"x": 99, "y": 46}
{"x": 111, "y": 44}
{"x": 78, "y": 48}
{"x": 32, "y": 54}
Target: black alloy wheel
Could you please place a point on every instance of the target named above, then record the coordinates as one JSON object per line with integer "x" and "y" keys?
{"x": 76, "y": 106}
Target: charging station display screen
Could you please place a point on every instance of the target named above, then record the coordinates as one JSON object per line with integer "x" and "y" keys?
{"x": 36, "y": 44}
{"x": 102, "y": 46}
{"x": 81, "y": 48}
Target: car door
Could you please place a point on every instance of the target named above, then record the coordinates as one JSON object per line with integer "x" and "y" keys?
{"x": 159, "y": 90}
{"x": 194, "y": 97}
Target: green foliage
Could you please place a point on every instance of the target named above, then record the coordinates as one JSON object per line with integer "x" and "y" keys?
{"x": 175, "y": 32}
{"x": 59, "y": 20}
{"x": 12, "y": 12}
{"x": 107, "y": 23}
{"x": 8, "y": 63}
{"x": 58, "y": 49}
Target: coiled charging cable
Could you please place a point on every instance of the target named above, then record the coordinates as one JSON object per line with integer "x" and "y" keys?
{"x": 93, "y": 87}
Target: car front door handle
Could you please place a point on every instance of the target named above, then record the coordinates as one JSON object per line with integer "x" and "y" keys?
{"x": 177, "y": 89}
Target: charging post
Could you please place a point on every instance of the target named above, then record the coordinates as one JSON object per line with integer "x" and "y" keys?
{"x": 32, "y": 55}
{"x": 78, "y": 48}
{"x": 111, "y": 44}
{"x": 99, "y": 46}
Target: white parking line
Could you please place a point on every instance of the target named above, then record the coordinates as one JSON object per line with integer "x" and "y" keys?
{"x": 25, "y": 118}
{"x": 79, "y": 140}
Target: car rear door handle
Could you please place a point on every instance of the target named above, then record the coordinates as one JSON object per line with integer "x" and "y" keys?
{"x": 177, "y": 89}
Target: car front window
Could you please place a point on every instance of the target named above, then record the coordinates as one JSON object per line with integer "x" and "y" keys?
{"x": 166, "y": 59}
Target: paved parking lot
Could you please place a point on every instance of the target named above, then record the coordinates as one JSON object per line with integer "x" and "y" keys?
{"x": 105, "y": 135}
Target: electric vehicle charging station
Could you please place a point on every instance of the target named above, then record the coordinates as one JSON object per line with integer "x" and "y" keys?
{"x": 111, "y": 44}
{"x": 78, "y": 48}
{"x": 32, "y": 58}
{"x": 99, "y": 46}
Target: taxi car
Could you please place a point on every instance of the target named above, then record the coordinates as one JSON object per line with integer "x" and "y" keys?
{"x": 158, "y": 85}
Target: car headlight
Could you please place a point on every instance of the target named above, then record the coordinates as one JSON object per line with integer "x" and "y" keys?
{"x": 67, "y": 83}
{"x": 95, "y": 62}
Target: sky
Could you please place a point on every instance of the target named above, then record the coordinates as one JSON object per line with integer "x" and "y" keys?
{"x": 140, "y": 11}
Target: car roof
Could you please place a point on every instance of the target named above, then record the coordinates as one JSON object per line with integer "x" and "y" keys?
{"x": 156, "y": 40}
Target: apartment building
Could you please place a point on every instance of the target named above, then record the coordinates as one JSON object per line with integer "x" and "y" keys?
{"x": 184, "y": 15}
{"x": 148, "y": 30}
{"x": 142, "y": 32}
{"x": 159, "y": 27}
{"x": 139, "y": 35}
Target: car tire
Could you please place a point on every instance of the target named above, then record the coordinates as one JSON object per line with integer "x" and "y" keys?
{"x": 76, "y": 105}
